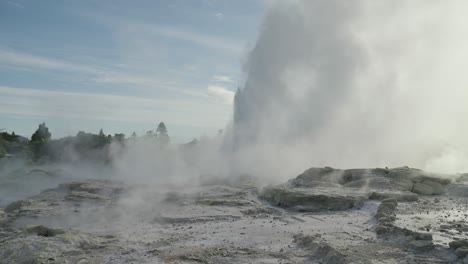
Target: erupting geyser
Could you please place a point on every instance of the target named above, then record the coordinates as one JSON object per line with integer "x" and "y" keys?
{"x": 359, "y": 83}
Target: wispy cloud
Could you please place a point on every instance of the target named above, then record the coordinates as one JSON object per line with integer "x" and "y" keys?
{"x": 94, "y": 106}
{"x": 221, "y": 93}
{"x": 219, "y": 15}
{"x": 145, "y": 30}
{"x": 209, "y": 41}
{"x": 21, "y": 59}
{"x": 101, "y": 75}
{"x": 15, "y": 4}
{"x": 148, "y": 83}
{"x": 222, "y": 78}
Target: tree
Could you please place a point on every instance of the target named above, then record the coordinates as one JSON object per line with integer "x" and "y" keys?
{"x": 150, "y": 133}
{"x": 39, "y": 141}
{"x": 42, "y": 134}
{"x": 102, "y": 139}
{"x": 2, "y": 150}
{"x": 119, "y": 137}
{"x": 161, "y": 130}
{"x": 9, "y": 137}
{"x": 80, "y": 134}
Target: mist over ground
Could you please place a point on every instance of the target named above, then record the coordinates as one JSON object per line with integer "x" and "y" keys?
{"x": 348, "y": 144}
{"x": 328, "y": 83}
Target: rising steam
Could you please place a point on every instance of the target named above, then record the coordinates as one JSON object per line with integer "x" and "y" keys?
{"x": 356, "y": 84}
{"x": 338, "y": 83}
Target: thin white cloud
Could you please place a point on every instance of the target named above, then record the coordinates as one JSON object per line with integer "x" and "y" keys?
{"x": 30, "y": 61}
{"x": 22, "y": 59}
{"x": 222, "y": 78}
{"x": 219, "y": 15}
{"x": 151, "y": 84}
{"x": 93, "y": 106}
{"x": 15, "y": 4}
{"x": 210, "y": 41}
{"x": 144, "y": 30}
{"x": 221, "y": 93}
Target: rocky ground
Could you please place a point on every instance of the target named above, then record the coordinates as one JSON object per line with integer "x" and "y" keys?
{"x": 324, "y": 215}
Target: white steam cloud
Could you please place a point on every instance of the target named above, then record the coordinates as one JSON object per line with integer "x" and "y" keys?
{"x": 356, "y": 84}
{"x": 328, "y": 83}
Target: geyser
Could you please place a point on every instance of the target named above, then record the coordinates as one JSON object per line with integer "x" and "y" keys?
{"x": 356, "y": 84}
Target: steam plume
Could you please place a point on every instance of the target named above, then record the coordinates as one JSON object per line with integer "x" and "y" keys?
{"x": 356, "y": 84}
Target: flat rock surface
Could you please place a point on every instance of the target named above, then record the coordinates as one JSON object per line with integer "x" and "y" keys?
{"x": 322, "y": 216}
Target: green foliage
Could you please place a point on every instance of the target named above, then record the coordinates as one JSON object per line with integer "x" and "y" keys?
{"x": 161, "y": 130}
{"x": 38, "y": 142}
{"x": 162, "y": 133}
{"x": 119, "y": 137}
{"x": 150, "y": 133}
{"x": 11, "y": 144}
{"x": 2, "y": 149}
{"x": 42, "y": 134}
{"x": 83, "y": 146}
{"x": 9, "y": 137}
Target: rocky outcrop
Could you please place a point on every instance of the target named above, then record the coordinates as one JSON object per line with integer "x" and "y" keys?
{"x": 65, "y": 200}
{"x": 396, "y": 180}
{"x": 332, "y": 189}
{"x": 428, "y": 187}
{"x": 17, "y": 205}
{"x": 460, "y": 247}
{"x": 385, "y": 215}
{"x": 41, "y": 230}
{"x": 39, "y": 244}
{"x": 319, "y": 250}
{"x": 3, "y": 216}
{"x": 221, "y": 223}
{"x": 312, "y": 200}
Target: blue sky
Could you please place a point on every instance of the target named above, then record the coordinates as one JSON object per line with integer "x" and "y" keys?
{"x": 123, "y": 66}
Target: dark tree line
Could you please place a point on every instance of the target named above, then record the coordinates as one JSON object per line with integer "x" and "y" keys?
{"x": 83, "y": 146}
